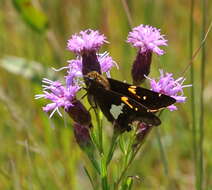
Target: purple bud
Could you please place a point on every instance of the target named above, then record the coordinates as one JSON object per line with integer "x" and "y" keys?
{"x": 142, "y": 132}
{"x": 75, "y": 66}
{"x": 79, "y": 113}
{"x": 90, "y": 63}
{"x": 82, "y": 135}
{"x": 141, "y": 67}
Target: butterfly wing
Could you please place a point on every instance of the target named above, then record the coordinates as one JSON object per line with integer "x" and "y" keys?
{"x": 150, "y": 99}
{"x": 122, "y": 109}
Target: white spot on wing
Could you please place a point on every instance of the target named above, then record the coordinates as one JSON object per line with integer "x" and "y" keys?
{"x": 116, "y": 110}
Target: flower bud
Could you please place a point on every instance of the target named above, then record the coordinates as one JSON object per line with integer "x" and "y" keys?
{"x": 79, "y": 113}
{"x": 90, "y": 62}
{"x": 82, "y": 135}
{"x": 142, "y": 132}
{"x": 141, "y": 67}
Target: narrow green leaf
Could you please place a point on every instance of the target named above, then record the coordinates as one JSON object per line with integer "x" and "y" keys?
{"x": 89, "y": 177}
{"x": 34, "y": 17}
{"x": 104, "y": 174}
{"x": 127, "y": 184}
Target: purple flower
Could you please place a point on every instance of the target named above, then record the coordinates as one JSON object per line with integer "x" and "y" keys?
{"x": 169, "y": 86}
{"x": 87, "y": 40}
{"x": 147, "y": 38}
{"x": 106, "y": 63}
{"x": 75, "y": 67}
{"x": 74, "y": 71}
{"x": 86, "y": 44}
{"x": 59, "y": 95}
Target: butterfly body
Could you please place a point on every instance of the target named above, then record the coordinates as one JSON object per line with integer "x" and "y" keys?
{"x": 123, "y": 103}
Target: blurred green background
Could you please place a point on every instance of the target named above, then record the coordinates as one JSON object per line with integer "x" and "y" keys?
{"x": 39, "y": 153}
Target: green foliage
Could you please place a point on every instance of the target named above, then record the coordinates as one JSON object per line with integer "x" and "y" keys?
{"x": 35, "y": 18}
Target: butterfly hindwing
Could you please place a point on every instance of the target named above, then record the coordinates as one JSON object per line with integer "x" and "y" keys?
{"x": 150, "y": 99}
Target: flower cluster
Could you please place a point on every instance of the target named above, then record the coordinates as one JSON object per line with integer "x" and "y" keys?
{"x": 121, "y": 104}
{"x": 86, "y": 45}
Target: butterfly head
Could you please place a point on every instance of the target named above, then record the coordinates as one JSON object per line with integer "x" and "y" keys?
{"x": 95, "y": 80}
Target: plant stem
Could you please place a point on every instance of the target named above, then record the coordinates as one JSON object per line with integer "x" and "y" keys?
{"x": 116, "y": 185}
{"x": 201, "y": 124}
{"x": 196, "y": 51}
{"x": 193, "y": 109}
{"x": 104, "y": 173}
{"x": 162, "y": 152}
{"x": 99, "y": 133}
{"x": 127, "y": 11}
{"x": 112, "y": 147}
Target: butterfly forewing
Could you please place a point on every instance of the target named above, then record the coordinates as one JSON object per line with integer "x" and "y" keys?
{"x": 150, "y": 99}
{"x": 123, "y": 103}
{"x": 123, "y": 109}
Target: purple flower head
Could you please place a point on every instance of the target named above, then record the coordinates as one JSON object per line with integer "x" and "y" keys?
{"x": 169, "y": 86}
{"x": 87, "y": 40}
{"x": 106, "y": 63}
{"x": 86, "y": 44}
{"x": 147, "y": 38}
{"x": 75, "y": 67}
{"x": 74, "y": 71}
{"x": 59, "y": 95}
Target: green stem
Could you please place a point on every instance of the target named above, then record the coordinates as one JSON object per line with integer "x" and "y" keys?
{"x": 112, "y": 147}
{"x": 127, "y": 11}
{"x": 104, "y": 182}
{"x": 103, "y": 169}
{"x": 135, "y": 152}
{"x": 89, "y": 177}
{"x": 99, "y": 127}
{"x": 201, "y": 124}
{"x": 193, "y": 109}
{"x": 162, "y": 152}
{"x": 94, "y": 162}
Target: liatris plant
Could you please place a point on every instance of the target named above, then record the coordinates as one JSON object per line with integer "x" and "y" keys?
{"x": 127, "y": 107}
